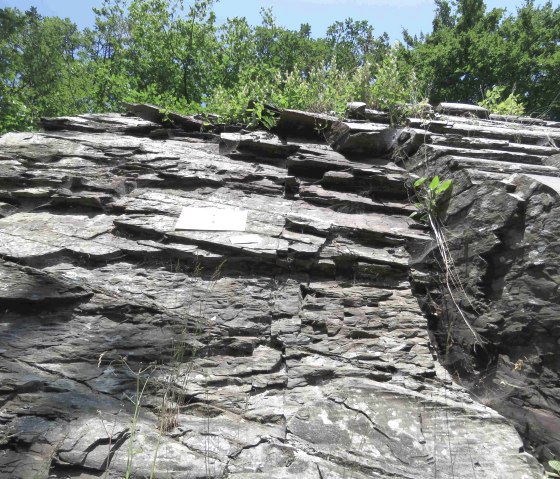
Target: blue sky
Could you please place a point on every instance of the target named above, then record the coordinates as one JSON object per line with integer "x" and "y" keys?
{"x": 385, "y": 15}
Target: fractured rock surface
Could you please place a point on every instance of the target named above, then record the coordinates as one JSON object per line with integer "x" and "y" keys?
{"x": 296, "y": 349}
{"x": 502, "y": 229}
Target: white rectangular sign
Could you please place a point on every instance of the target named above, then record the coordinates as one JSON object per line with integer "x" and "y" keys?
{"x": 211, "y": 219}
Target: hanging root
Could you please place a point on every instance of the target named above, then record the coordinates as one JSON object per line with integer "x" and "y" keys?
{"x": 452, "y": 280}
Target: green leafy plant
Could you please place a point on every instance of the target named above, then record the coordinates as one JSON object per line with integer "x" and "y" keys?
{"x": 324, "y": 88}
{"x": 431, "y": 198}
{"x": 493, "y": 101}
{"x": 257, "y": 114}
{"x": 14, "y": 115}
{"x": 555, "y": 466}
{"x": 397, "y": 89}
{"x": 175, "y": 54}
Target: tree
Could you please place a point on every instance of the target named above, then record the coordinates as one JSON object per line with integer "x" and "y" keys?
{"x": 532, "y": 61}
{"x": 42, "y": 68}
{"x": 443, "y": 17}
{"x": 469, "y": 14}
{"x": 106, "y": 58}
{"x": 352, "y": 44}
{"x": 471, "y": 50}
{"x": 172, "y": 53}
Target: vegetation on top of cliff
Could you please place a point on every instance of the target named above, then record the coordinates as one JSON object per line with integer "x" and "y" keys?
{"x": 174, "y": 54}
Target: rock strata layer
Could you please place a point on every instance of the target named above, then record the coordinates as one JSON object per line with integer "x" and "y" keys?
{"x": 295, "y": 349}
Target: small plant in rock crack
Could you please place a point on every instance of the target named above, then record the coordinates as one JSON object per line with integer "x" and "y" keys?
{"x": 432, "y": 200}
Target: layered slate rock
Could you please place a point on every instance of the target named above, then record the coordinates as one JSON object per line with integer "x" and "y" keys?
{"x": 463, "y": 109}
{"x": 502, "y": 229}
{"x": 295, "y": 349}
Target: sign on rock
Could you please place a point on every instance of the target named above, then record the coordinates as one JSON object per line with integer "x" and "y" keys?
{"x": 211, "y": 219}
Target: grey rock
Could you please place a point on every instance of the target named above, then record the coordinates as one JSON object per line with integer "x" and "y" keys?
{"x": 23, "y": 285}
{"x": 553, "y": 160}
{"x": 302, "y": 124}
{"x": 463, "y": 109}
{"x": 356, "y": 109}
{"x": 377, "y": 116}
{"x": 502, "y": 232}
{"x": 298, "y": 352}
{"x": 6, "y": 209}
{"x": 155, "y": 114}
{"x": 259, "y": 143}
{"x": 524, "y": 120}
{"x": 372, "y": 139}
{"x": 361, "y": 138}
{"x": 99, "y": 123}
{"x": 529, "y": 135}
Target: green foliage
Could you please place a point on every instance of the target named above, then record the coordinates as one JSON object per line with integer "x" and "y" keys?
{"x": 471, "y": 49}
{"x": 41, "y": 68}
{"x": 174, "y": 54}
{"x": 396, "y": 88}
{"x": 259, "y": 115}
{"x": 167, "y": 48}
{"x": 322, "y": 89}
{"x": 151, "y": 93}
{"x": 14, "y": 115}
{"x": 493, "y": 101}
{"x": 431, "y": 198}
{"x": 555, "y": 466}
{"x": 232, "y": 104}
{"x": 352, "y": 43}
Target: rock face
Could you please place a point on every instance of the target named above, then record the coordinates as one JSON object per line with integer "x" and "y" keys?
{"x": 502, "y": 229}
{"x": 296, "y": 349}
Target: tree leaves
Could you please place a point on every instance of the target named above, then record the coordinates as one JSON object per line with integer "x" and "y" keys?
{"x": 174, "y": 54}
{"x": 471, "y": 51}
